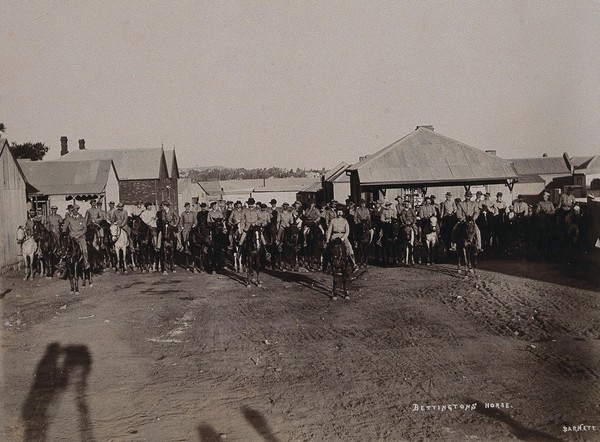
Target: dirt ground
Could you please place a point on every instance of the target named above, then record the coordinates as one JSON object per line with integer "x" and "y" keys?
{"x": 415, "y": 354}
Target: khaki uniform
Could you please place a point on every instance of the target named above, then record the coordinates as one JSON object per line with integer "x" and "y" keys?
{"x": 521, "y": 208}
{"x": 362, "y": 215}
{"x": 328, "y": 215}
{"x": 498, "y": 206}
{"x": 426, "y": 211}
{"x": 77, "y": 227}
{"x": 464, "y": 209}
{"x": 187, "y": 221}
{"x": 339, "y": 228}
{"x": 119, "y": 218}
{"x": 545, "y": 208}
{"x": 566, "y": 202}
{"x": 93, "y": 215}
{"x": 447, "y": 208}
{"x": 53, "y": 222}
{"x": 388, "y": 214}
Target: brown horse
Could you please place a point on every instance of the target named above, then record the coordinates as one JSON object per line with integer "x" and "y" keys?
{"x": 466, "y": 244}
{"x": 340, "y": 267}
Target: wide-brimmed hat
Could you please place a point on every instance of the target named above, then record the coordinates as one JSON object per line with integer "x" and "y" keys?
{"x": 499, "y": 194}
{"x": 112, "y": 202}
{"x": 468, "y": 193}
{"x": 273, "y": 201}
{"x": 53, "y": 208}
{"x": 120, "y": 205}
{"x": 285, "y": 204}
{"x": 75, "y": 206}
{"x": 166, "y": 203}
{"x": 479, "y": 192}
{"x": 251, "y": 200}
{"x": 202, "y": 205}
{"x": 448, "y": 193}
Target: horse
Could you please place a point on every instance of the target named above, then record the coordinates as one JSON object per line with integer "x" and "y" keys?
{"x": 120, "y": 240}
{"x": 72, "y": 256}
{"x": 198, "y": 245}
{"x": 97, "y": 248}
{"x": 485, "y": 223}
{"x": 407, "y": 240}
{"x": 431, "y": 236}
{"x": 447, "y": 224}
{"x": 168, "y": 245}
{"x": 218, "y": 250}
{"x": 29, "y": 249}
{"x": 236, "y": 250}
{"x": 291, "y": 237}
{"x": 315, "y": 241}
{"x": 389, "y": 242}
{"x": 273, "y": 245}
{"x": 340, "y": 267}
{"x": 143, "y": 248}
{"x": 253, "y": 250}
{"x": 47, "y": 247}
{"x": 362, "y": 237}
{"x": 466, "y": 244}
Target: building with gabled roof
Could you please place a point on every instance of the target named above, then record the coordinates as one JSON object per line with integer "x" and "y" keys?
{"x": 144, "y": 174}
{"x": 425, "y": 159}
{"x": 60, "y": 183}
{"x": 13, "y": 206}
{"x": 590, "y": 168}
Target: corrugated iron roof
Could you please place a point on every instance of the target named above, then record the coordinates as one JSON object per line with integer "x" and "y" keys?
{"x": 67, "y": 177}
{"x": 282, "y": 187}
{"x": 172, "y": 166}
{"x": 130, "y": 164}
{"x": 530, "y": 179}
{"x": 314, "y": 187}
{"x": 424, "y": 157}
{"x": 540, "y": 166}
{"x": 211, "y": 187}
{"x": 337, "y": 171}
{"x": 591, "y": 163}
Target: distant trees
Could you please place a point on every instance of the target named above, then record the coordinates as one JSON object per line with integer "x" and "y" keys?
{"x": 220, "y": 173}
{"x": 32, "y": 151}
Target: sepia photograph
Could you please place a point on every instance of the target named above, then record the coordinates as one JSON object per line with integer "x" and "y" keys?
{"x": 318, "y": 220}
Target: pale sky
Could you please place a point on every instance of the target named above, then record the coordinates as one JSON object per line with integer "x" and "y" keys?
{"x": 302, "y": 83}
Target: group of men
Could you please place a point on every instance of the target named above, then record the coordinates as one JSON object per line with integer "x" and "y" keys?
{"x": 332, "y": 218}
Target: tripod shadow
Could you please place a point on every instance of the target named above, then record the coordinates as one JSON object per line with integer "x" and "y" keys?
{"x": 51, "y": 380}
{"x": 207, "y": 433}
{"x": 303, "y": 280}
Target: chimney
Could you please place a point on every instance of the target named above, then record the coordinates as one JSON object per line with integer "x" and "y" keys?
{"x": 63, "y": 146}
{"x": 428, "y": 127}
{"x": 82, "y": 144}
{"x": 491, "y": 152}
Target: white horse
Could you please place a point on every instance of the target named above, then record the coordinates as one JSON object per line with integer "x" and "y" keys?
{"x": 120, "y": 240}
{"x": 29, "y": 249}
{"x": 431, "y": 232}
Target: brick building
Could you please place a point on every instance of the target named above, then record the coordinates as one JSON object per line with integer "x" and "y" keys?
{"x": 144, "y": 174}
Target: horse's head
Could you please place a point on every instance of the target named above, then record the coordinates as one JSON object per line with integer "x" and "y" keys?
{"x": 115, "y": 232}
{"x": 21, "y": 235}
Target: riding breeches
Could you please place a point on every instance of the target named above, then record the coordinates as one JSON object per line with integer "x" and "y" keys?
{"x": 477, "y": 235}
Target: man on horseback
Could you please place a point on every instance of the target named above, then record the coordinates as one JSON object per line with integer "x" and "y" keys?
{"x": 339, "y": 228}
{"x": 110, "y": 212}
{"x": 408, "y": 217}
{"x": 148, "y": 216}
{"x": 166, "y": 217}
{"x": 233, "y": 221}
{"x": 187, "y": 221}
{"x": 202, "y": 215}
{"x": 463, "y": 210}
{"x": 250, "y": 217}
{"x": 53, "y": 222}
{"x": 76, "y": 226}
{"x": 329, "y": 212}
{"x": 94, "y": 214}
{"x": 29, "y": 223}
{"x": 545, "y": 207}
{"x": 311, "y": 217}
{"x": 499, "y": 205}
{"x": 286, "y": 219}
{"x": 520, "y": 207}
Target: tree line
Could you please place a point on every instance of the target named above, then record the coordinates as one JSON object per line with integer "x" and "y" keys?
{"x": 32, "y": 151}
{"x": 219, "y": 173}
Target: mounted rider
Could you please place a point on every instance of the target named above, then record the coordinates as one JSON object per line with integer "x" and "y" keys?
{"x": 250, "y": 217}
{"x": 234, "y": 221}
{"x": 329, "y": 212}
{"x": 545, "y": 207}
{"x": 214, "y": 215}
{"x": 362, "y": 215}
{"x": 264, "y": 215}
{"x": 520, "y": 207}
{"x": 499, "y": 205}
{"x": 110, "y": 212}
{"x": 94, "y": 214}
{"x": 202, "y": 215}
{"x": 408, "y": 217}
{"x": 165, "y": 217}
{"x": 53, "y": 222}
{"x": 148, "y": 216}
{"x": 286, "y": 219}
{"x": 187, "y": 221}
{"x": 339, "y": 228}
{"x": 312, "y": 216}
{"x": 463, "y": 210}
{"x": 76, "y": 226}
{"x": 31, "y": 214}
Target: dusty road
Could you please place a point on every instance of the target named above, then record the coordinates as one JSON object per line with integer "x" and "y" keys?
{"x": 415, "y": 354}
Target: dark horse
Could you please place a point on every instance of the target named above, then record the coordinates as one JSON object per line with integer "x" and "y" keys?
{"x": 47, "y": 247}
{"x": 197, "y": 248}
{"x": 362, "y": 238}
{"x": 167, "y": 253}
{"x": 218, "y": 250}
{"x": 72, "y": 256}
{"x": 466, "y": 244}
{"x": 143, "y": 249}
{"x": 340, "y": 267}
{"x": 390, "y": 242}
{"x": 253, "y": 250}
{"x": 315, "y": 241}
{"x": 291, "y": 237}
